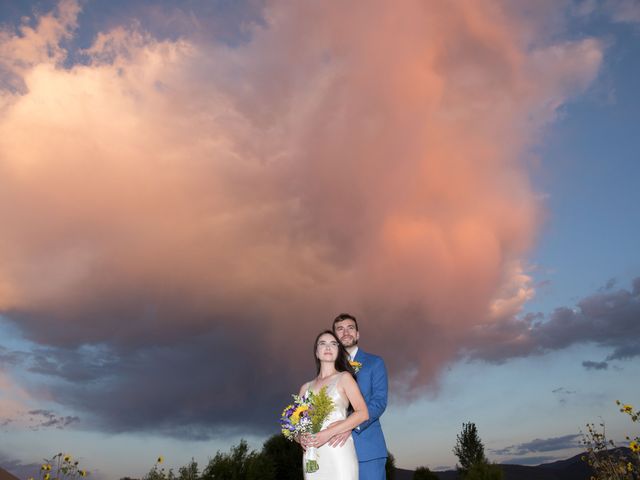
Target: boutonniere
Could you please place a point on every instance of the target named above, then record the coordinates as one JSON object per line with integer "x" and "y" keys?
{"x": 356, "y": 365}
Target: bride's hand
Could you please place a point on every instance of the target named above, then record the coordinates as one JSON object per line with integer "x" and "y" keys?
{"x": 320, "y": 438}
{"x": 305, "y": 440}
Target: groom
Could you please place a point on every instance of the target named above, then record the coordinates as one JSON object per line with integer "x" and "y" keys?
{"x": 372, "y": 380}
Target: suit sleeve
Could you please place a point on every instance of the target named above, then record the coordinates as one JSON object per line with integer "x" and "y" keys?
{"x": 377, "y": 403}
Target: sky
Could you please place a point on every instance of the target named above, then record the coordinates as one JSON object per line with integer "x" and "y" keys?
{"x": 190, "y": 191}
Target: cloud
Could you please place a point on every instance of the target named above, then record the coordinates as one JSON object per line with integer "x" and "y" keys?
{"x": 563, "y": 391}
{"x": 14, "y": 400}
{"x": 590, "y": 365}
{"x": 537, "y": 460}
{"x": 607, "y": 318}
{"x": 541, "y": 445}
{"x": 623, "y": 11}
{"x": 27, "y": 46}
{"x": 47, "y": 418}
{"x": 617, "y": 11}
{"x": 181, "y": 216}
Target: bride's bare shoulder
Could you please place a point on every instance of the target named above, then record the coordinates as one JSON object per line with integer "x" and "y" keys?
{"x": 345, "y": 377}
{"x": 304, "y": 387}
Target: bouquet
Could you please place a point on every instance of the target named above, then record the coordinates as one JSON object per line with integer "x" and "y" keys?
{"x": 306, "y": 414}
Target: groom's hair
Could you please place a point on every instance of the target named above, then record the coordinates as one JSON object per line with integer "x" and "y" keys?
{"x": 342, "y": 317}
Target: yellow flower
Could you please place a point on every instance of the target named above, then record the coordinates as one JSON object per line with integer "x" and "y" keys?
{"x": 295, "y": 416}
{"x": 634, "y": 446}
{"x": 630, "y": 467}
{"x": 46, "y": 476}
{"x": 83, "y": 473}
{"x": 67, "y": 458}
{"x": 627, "y": 409}
{"x": 160, "y": 459}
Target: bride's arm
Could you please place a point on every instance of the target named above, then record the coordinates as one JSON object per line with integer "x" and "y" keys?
{"x": 360, "y": 412}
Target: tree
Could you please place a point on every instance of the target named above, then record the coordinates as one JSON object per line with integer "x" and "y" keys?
{"x": 284, "y": 456}
{"x": 423, "y": 473}
{"x": 239, "y": 464}
{"x": 157, "y": 473}
{"x": 189, "y": 471}
{"x": 390, "y": 466}
{"x": 469, "y": 449}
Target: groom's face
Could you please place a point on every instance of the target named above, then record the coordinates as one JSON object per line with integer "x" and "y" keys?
{"x": 346, "y": 332}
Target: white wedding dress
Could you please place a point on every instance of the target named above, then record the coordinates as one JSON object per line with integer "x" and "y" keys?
{"x": 336, "y": 463}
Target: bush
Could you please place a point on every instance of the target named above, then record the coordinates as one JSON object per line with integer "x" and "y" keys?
{"x": 484, "y": 471}
{"x": 390, "y": 466}
{"x": 239, "y": 464}
{"x": 423, "y": 473}
{"x": 284, "y": 456}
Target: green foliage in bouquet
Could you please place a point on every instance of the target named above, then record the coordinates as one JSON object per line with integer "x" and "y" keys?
{"x": 322, "y": 407}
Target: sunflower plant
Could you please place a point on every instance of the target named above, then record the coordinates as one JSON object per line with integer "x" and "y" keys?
{"x": 607, "y": 460}
{"x": 61, "y": 466}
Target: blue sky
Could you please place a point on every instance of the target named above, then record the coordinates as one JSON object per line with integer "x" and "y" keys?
{"x": 218, "y": 180}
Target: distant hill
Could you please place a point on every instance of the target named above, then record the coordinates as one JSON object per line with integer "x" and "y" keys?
{"x": 4, "y": 475}
{"x": 570, "y": 469}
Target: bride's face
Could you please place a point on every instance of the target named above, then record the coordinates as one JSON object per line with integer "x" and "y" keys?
{"x": 327, "y": 348}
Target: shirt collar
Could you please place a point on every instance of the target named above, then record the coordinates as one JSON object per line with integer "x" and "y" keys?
{"x": 353, "y": 354}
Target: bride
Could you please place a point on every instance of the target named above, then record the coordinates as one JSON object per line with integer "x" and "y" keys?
{"x": 335, "y": 373}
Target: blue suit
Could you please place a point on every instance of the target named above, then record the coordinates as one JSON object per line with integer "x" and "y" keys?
{"x": 368, "y": 437}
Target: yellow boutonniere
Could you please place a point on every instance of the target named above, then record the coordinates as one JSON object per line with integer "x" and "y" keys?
{"x": 356, "y": 365}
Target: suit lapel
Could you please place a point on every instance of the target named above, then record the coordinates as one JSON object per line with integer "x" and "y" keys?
{"x": 360, "y": 355}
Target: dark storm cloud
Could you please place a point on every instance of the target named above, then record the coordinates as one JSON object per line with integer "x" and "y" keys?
{"x": 608, "y": 318}
{"x": 197, "y": 387}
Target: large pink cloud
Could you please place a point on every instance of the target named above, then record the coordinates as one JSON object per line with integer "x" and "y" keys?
{"x": 369, "y": 157}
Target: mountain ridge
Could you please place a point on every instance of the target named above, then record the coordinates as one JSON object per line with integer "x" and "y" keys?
{"x": 572, "y": 468}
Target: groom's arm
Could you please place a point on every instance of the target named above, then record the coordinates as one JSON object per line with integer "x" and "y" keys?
{"x": 377, "y": 403}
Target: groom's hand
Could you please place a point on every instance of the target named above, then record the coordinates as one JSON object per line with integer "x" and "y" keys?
{"x": 340, "y": 439}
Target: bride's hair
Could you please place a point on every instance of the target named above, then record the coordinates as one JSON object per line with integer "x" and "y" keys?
{"x": 342, "y": 360}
